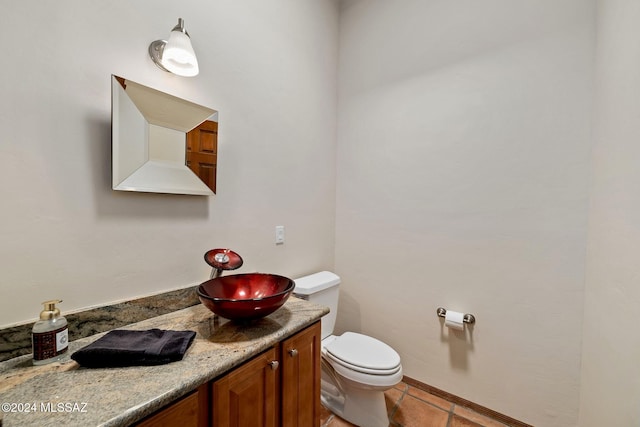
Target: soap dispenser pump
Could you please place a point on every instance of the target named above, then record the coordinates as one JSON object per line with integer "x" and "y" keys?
{"x": 50, "y": 335}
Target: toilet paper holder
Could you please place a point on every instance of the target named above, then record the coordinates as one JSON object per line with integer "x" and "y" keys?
{"x": 467, "y": 318}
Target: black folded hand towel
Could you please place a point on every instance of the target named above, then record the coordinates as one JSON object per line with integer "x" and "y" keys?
{"x": 135, "y": 348}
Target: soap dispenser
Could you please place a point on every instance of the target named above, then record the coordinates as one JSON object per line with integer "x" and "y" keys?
{"x": 50, "y": 335}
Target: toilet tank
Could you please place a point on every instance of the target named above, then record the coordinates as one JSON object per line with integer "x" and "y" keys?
{"x": 321, "y": 288}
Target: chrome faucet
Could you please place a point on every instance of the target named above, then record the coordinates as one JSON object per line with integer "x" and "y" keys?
{"x": 220, "y": 258}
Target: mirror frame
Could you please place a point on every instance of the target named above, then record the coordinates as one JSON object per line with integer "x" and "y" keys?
{"x": 148, "y": 140}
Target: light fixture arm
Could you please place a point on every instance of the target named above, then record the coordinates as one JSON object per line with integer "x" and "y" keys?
{"x": 156, "y": 48}
{"x": 180, "y": 27}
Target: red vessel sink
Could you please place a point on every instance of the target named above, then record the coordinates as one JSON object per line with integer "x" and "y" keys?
{"x": 245, "y": 296}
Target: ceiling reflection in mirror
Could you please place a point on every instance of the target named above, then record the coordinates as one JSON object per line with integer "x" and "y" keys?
{"x": 161, "y": 143}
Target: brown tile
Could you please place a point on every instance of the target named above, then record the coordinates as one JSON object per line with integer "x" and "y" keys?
{"x": 478, "y": 419}
{"x": 428, "y": 397}
{"x": 401, "y": 386}
{"x": 339, "y": 422}
{"x": 325, "y": 414}
{"x": 414, "y": 412}
{"x": 458, "y": 421}
{"x": 391, "y": 398}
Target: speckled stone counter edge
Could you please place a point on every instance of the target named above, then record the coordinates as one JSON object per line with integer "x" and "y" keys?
{"x": 16, "y": 341}
{"x": 123, "y": 396}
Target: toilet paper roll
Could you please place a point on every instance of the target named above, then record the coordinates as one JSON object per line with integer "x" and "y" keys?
{"x": 454, "y": 320}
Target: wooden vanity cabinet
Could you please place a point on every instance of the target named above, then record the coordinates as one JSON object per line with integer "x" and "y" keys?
{"x": 300, "y": 392}
{"x": 281, "y": 387}
{"x": 247, "y": 396}
{"x": 189, "y": 411}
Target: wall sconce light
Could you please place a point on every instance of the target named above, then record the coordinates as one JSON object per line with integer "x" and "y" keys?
{"x": 175, "y": 55}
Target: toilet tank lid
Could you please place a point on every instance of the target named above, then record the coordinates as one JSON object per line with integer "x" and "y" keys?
{"x": 316, "y": 282}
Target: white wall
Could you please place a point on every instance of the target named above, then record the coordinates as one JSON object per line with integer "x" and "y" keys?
{"x": 463, "y": 173}
{"x": 610, "y": 388}
{"x": 268, "y": 67}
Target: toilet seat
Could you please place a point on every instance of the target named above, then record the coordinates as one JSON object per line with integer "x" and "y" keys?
{"x": 362, "y": 353}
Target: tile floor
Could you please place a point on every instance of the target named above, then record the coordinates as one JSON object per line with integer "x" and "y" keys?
{"x": 409, "y": 406}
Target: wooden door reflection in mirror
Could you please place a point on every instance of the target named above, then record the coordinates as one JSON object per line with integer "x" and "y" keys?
{"x": 202, "y": 152}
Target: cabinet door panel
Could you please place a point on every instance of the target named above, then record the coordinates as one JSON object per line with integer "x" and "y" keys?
{"x": 301, "y": 378}
{"x": 190, "y": 411}
{"x": 246, "y": 397}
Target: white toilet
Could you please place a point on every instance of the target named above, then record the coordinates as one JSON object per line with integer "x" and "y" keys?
{"x": 356, "y": 368}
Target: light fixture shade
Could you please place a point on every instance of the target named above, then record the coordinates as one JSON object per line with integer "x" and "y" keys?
{"x": 178, "y": 55}
{"x": 175, "y": 55}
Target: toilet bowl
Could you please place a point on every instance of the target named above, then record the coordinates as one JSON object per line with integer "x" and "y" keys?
{"x": 356, "y": 369}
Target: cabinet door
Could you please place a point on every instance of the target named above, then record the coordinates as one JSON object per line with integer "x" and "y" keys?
{"x": 190, "y": 411}
{"x": 247, "y": 396}
{"x": 301, "y": 378}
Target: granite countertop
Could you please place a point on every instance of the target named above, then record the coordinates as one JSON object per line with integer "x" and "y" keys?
{"x": 122, "y": 396}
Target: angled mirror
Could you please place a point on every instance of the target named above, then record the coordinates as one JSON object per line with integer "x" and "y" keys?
{"x": 161, "y": 143}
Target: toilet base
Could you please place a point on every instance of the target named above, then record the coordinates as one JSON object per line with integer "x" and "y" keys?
{"x": 365, "y": 408}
